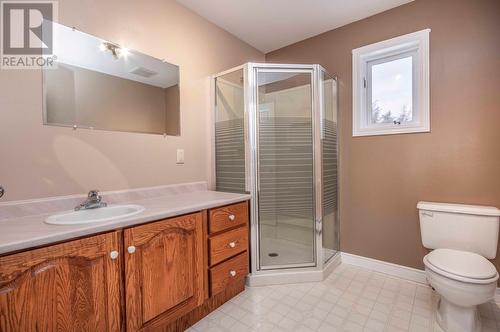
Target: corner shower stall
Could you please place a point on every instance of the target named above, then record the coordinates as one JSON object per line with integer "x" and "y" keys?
{"x": 276, "y": 138}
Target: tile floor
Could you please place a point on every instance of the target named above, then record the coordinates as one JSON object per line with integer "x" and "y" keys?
{"x": 351, "y": 299}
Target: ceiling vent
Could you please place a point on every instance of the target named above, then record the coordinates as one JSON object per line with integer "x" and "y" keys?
{"x": 141, "y": 71}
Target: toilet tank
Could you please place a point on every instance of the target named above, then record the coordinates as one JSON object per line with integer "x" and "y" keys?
{"x": 471, "y": 228}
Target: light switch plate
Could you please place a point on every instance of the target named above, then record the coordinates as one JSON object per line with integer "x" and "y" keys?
{"x": 180, "y": 156}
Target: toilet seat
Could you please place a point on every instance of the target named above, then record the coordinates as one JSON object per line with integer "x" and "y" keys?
{"x": 461, "y": 266}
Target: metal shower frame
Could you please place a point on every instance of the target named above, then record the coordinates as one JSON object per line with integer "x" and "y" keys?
{"x": 252, "y": 186}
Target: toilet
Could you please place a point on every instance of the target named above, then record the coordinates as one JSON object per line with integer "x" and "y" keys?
{"x": 463, "y": 238}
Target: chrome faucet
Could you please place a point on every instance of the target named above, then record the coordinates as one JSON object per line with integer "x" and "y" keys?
{"x": 93, "y": 201}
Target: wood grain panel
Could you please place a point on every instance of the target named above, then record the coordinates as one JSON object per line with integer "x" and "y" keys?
{"x": 165, "y": 269}
{"x": 164, "y": 276}
{"x": 73, "y": 286}
{"x": 220, "y": 275}
{"x": 206, "y": 286}
{"x": 219, "y": 219}
{"x": 228, "y": 244}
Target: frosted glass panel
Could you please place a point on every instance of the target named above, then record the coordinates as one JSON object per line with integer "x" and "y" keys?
{"x": 229, "y": 133}
{"x": 330, "y": 224}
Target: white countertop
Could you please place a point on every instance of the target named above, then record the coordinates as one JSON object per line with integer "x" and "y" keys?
{"x": 31, "y": 231}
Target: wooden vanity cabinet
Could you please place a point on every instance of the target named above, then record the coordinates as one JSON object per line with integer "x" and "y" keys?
{"x": 161, "y": 276}
{"x": 164, "y": 271}
{"x": 73, "y": 286}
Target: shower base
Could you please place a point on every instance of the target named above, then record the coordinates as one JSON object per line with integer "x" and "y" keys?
{"x": 282, "y": 252}
{"x": 286, "y": 251}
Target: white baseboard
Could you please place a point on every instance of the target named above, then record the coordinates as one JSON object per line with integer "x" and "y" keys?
{"x": 395, "y": 270}
{"x": 400, "y": 271}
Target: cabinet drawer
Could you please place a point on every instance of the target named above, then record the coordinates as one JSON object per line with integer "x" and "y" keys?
{"x": 228, "y": 244}
{"x": 228, "y": 272}
{"x": 227, "y": 217}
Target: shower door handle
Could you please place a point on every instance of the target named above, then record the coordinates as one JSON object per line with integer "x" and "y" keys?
{"x": 319, "y": 226}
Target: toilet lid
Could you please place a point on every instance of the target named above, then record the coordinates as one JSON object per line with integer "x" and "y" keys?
{"x": 462, "y": 263}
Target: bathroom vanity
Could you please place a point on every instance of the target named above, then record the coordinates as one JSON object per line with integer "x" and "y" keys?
{"x": 164, "y": 274}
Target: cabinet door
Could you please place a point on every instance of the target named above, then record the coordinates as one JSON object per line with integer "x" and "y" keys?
{"x": 73, "y": 286}
{"x": 163, "y": 271}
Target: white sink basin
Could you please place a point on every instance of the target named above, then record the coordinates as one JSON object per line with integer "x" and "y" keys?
{"x": 94, "y": 215}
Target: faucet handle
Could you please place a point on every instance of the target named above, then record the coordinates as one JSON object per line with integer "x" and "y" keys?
{"x": 93, "y": 193}
{"x": 94, "y": 196}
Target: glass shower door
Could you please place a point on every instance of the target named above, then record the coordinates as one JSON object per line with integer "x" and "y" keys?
{"x": 285, "y": 173}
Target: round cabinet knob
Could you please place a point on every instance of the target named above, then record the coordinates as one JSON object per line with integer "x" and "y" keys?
{"x": 114, "y": 254}
{"x": 232, "y": 273}
{"x": 232, "y": 244}
{"x": 232, "y": 217}
{"x": 131, "y": 249}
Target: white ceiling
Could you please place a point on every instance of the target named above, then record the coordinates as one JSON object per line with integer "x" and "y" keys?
{"x": 271, "y": 24}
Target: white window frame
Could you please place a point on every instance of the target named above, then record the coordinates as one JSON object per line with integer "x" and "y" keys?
{"x": 415, "y": 45}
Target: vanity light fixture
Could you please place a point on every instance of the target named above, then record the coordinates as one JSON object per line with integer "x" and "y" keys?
{"x": 102, "y": 47}
{"x": 115, "y": 49}
{"x": 123, "y": 51}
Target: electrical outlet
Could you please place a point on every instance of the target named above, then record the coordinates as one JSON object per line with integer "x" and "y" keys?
{"x": 180, "y": 156}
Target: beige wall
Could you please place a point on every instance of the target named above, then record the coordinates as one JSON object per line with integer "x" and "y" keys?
{"x": 40, "y": 161}
{"x": 383, "y": 177}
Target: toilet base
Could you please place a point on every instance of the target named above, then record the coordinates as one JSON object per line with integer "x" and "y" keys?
{"x": 453, "y": 318}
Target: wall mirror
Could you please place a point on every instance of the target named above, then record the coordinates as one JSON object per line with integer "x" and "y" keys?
{"x": 97, "y": 84}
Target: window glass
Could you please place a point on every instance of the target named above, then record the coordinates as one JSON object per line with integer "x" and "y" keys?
{"x": 391, "y": 91}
